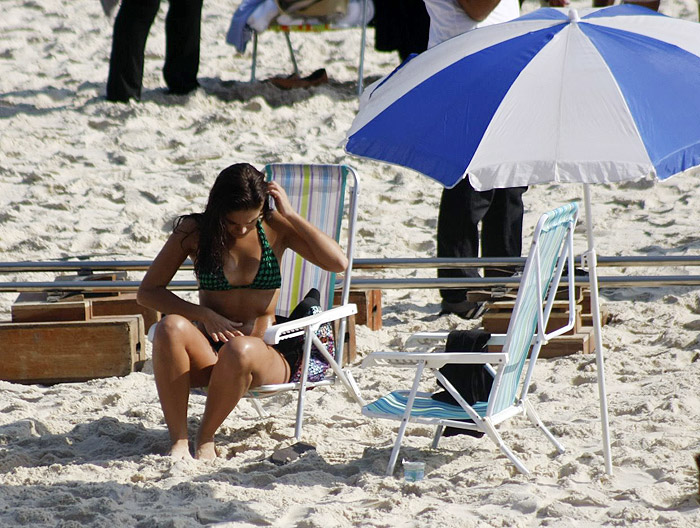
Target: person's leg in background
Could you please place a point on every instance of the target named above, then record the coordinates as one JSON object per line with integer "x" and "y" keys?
{"x": 502, "y": 227}
{"x": 182, "y": 38}
{"x": 131, "y": 28}
{"x": 461, "y": 210}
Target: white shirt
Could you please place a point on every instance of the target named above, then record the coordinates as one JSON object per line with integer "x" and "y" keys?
{"x": 448, "y": 19}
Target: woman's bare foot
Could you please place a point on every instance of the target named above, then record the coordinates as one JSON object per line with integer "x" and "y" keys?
{"x": 180, "y": 450}
{"x": 205, "y": 450}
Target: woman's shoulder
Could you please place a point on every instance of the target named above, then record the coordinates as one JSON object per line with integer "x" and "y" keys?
{"x": 186, "y": 228}
{"x": 275, "y": 228}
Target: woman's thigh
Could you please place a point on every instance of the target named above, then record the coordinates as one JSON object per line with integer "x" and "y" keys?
{"x": 265, "y": 364}
{"x": 182, "y": 333}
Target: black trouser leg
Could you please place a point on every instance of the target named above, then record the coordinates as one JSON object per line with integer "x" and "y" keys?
{"x": 182, "y": 36}
{"x": 502, "y": 227}
{"x": 461, "y": 210}
{"x": 131, "y": 28}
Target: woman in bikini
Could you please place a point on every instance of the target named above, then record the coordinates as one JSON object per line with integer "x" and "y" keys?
{"x": 236, "y": 245}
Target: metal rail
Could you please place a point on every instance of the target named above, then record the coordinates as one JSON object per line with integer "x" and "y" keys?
{"x": 358, "y": 264}
{"x": 365, "y": 284}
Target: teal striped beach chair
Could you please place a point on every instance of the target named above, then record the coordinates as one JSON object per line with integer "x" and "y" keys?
{"x": 318, "y": 193}
{"x": 551, "y": 251}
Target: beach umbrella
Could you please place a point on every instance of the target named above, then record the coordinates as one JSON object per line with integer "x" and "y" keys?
{"x": 596, "y": 96}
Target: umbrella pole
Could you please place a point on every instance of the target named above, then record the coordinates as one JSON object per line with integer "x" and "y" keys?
{"x": 591, "y": 263}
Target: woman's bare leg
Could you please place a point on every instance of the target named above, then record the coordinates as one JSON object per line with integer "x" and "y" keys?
{"x": 182, "y": 358}
{"x": 244, "y": 362}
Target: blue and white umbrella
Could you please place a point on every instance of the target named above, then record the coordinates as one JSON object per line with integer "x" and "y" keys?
{"x": 613, "y": 95}
{"x": 602, "y": 96}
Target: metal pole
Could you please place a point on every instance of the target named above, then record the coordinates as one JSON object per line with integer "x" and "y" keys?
{"x": 595, "y": 313}
{"x": 361, "y": 263}
{"x": 367, "y": 284}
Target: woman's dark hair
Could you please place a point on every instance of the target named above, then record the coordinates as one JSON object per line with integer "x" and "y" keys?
{"x": 239, "y": 187}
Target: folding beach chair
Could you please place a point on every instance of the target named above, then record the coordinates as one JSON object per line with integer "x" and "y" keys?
{"x": 312, "y": 23}
{"x": 551, "y": 250}
{"x": 317, "y": 192}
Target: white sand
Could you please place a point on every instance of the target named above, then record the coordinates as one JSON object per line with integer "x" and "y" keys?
{"x": 80, "y": 176}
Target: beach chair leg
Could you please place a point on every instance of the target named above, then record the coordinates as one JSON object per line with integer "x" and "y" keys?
{"x": 496, "y": 439}
{"x": 255, "y": 56}
{"x": 397, "y": 446}
{"x": 258, "y": 407}
{"x": 291, "y": 52}
{"x": 535, "y": 419}
{"x": 405, "y": 419}
{"x": 438, "y": 435}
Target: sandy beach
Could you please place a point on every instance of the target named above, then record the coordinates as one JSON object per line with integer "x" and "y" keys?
{"x": 82, "y": 177}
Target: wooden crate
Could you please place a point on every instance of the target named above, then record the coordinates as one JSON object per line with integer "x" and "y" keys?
{"x": 60, "y": 351}
{"x": 349, "y": 348}
{"x": 582, "y": 342}
{"x": 497, "y": 318}
{"x": 586, "y": 316}
{"x": 369, "y": 307}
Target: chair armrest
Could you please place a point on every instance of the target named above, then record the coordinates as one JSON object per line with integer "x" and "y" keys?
{"x": 431, "y": 338}
{"x": 279, "y": 332}
{"x": 433, "y": 360}
{"x": 426, "y": 338}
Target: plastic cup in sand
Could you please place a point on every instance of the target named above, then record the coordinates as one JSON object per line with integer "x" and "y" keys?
{"x": 413, "y": 471}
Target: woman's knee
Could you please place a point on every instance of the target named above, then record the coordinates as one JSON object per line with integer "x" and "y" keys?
{"x": 171, "y": 327}
{"x": 240, "y": 353}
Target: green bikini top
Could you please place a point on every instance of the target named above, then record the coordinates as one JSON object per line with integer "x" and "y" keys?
{"x": 267, "y": 278}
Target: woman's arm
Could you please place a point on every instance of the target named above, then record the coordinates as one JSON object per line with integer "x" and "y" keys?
{"x": 303, "y": 237}
{"x": 153, "y": 291}
{"x": 478, "y": 10}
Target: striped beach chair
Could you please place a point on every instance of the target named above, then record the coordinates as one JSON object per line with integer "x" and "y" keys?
{"x": 313, "y": 25}
{"x": 318, "y": 193}
{"x": 551, "y": 251}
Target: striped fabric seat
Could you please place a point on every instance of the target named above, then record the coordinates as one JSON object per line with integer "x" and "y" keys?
{"x": 550, "y": 252}
{"x": 317, "y": 193}
{"x": 395, "y": 402}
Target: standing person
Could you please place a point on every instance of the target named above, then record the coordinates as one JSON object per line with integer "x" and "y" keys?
{"x": 236, "y": 245}
{"x": 500, "y": 211}
{"x": 131, "y": 27}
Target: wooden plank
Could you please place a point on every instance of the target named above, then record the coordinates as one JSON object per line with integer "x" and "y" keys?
{"x": 124, "y": 304}
{"x": 497, "y": 321}
{"x": 24, "y": 312}
{"x": 52, "y": 352}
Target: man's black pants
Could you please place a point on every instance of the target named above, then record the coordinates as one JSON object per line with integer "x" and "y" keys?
{"x": 182, "y": 36}
{"x": 500, "y": 212}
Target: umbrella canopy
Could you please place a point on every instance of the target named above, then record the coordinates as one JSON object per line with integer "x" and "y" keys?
{"x": 611, "y": 95}
{"x": 608, "y": 95}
